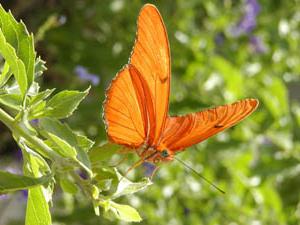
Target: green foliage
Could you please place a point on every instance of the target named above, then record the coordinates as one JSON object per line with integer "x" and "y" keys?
{"x": 37, "y": 208}
{"x": 123, "y": 212}
{"x": 33, "y": 116}
{"x": 64, "y": 103}
{"x": 12, "y": 182}
{"x": 17, "y": 49}
{"x": 256, "y": 162}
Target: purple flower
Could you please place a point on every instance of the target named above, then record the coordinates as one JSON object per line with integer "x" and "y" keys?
{"x": 34, "y": 122}
{"x": 186, "y": 211}
{"x": 4, "y": 197}
{"x": 19, "y": 155}
{"x": 84, "y": 75}
{"x": 248, "y": 21}
{"x": 24, "y": 194}
{"x": 83, "y": 174}
{"x": 149, "y": 169}
{"x": 219, "y": 38}
{"x": 257, "y": 45}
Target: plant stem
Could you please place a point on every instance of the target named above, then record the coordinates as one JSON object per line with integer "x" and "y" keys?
{"x": 20, "y": 131}
{"x": 6, "y": 119}
{"x": 38, "y": 144}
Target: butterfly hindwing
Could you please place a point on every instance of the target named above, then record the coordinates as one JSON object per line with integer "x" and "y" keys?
{"x": 184, "y": 131}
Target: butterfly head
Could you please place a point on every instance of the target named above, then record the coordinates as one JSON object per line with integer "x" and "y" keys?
{"x": 158, "y": 156}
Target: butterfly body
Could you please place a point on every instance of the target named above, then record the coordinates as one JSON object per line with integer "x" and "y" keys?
{"x": 137, "y": 101}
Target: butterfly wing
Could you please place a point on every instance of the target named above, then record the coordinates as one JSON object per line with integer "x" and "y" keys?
{"x": 184, "y": 131}
{"x": 151, "y": 57}
{"x": 124, "y": 110}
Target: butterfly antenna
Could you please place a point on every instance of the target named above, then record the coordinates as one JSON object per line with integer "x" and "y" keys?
{"x": 208, "y": 181}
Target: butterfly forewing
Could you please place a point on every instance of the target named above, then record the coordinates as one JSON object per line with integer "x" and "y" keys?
{"x": 124, "y": 109}
{"x": 184, "y": 131}
{"x": 151, "y": 57}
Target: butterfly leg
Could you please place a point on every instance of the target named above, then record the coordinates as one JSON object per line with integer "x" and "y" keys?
{"x": 154, "y": 172}
{"x": 136, "y": 164}
{"x": 120, "y": 161}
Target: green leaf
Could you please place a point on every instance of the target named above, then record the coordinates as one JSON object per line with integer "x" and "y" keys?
{"x": 37, "y": 104}
{"x": 103, "y": 152}
{"x": 84, "y": 142}
{"x": 125, "y": 212}
{"x": 36, "y": 110}
{"x": 18, "y": 38}
{"x": 39, "y": 67}
{"x": 64, "y": 103}
{"x": 13, "y": 101}
{"x": 106, "y": 178}
{"x": 232, "y": 76}
{"x": 62, "y": 147}
{"x": 16, "y": 65}
{"x": 79, "y": 142}
{"x": 40, "y": 96}
{"x": 126, "y": 187}
{"x": 37, "y": 211}
{"x": 275, "y": 97}
{"x": 59, "y": 129}
{"x": 13, "y": 182}
{"x": 5, "y": 75}
{"x": 33, "y": 89}
{"x": 68, "y": 186}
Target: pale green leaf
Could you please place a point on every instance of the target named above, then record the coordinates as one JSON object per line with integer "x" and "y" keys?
{"x": 125, "y": 212}
{"x": 37, "y": 212}
{"x": 39, "y": 67}
{"x": 64, "y": 103}
{"x": 275, "y": 97}
{"x": 126, "y": 187}
{"x": 13, "y": 182}
{"x": 5, "y": 74}
{"x": 33, "y": 89}
{"x": 62, "y": 130}
{"x": 68, "y": 186}
{"x": 18, "y": 37}
{"x": 84, "y": 143}
{"x": 232, "y": 76}
{"x": 16, "y": 65}
{"x": 63, "y": 147}
{"x": 103, "y": 152}
{"x": 13, "y": 101}
{"x": 40, "y": 96}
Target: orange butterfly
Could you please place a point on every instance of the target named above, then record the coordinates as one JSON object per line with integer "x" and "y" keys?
{"x": 137, "y": 101}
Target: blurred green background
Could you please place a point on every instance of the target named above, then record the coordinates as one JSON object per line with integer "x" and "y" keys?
{"x": 222, "y": 51}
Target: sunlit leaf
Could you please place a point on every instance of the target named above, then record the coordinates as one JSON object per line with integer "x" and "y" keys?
{"x": 64, "y": 103}
{"x": 79, "y": 142}
{"x": 62, "y": 147}
{"x": 103, "y": 152}
{"x": 13, "y": 182}
{"x": 68, "y": 186}
{"x": 13, "y": 101}
{"x": 125, "y": 212}
{"x": 16, "y": 65}
{"x": 37, "y": 211}
{"x": 18, "y": 46}
{"x": 5, "y": 74}
{"x": 126, "y": 187}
